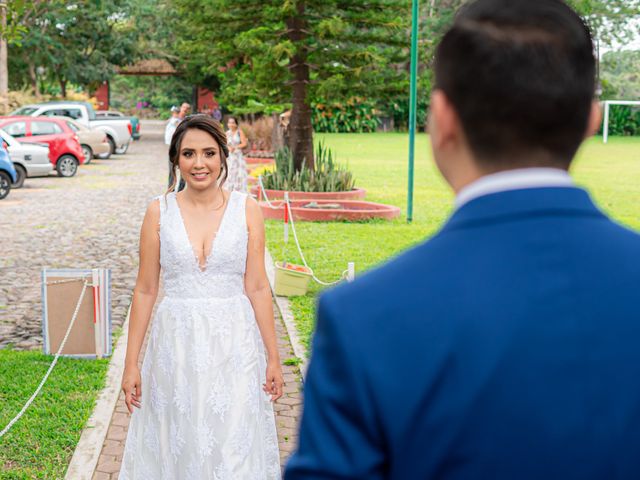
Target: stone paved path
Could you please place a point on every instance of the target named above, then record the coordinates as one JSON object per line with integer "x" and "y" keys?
{"x": 288, "y": 410}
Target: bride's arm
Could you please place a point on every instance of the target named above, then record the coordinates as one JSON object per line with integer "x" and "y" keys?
{"x": 144, "y": 297}
{"x": 257, "y": 287}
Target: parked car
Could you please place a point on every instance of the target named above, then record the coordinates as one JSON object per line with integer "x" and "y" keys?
{"x": 118, "y": 130}
{"x": 29, "y": 159}
{"x": 7, "y": 173}
{"x": 65, "y": 152}
{"x": 94, "y": 142}
{"x": 135, "y": 122}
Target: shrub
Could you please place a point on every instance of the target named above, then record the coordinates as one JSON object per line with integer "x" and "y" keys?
{"x": 328, "y": 175}
{"x": 259, "y": 133}
{"x": 356, "y": 115}
{"x": 623, "y": 120}
{"x": 19, "y": 98}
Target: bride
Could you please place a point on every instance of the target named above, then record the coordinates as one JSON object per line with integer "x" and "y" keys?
{"x": 205, "y": 383}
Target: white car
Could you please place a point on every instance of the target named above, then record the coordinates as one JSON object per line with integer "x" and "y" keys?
{"x": 119, "y": 131}
{"x": 29, "y": 159}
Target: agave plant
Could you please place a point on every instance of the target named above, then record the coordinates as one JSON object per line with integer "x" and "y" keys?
{"x": 328, "y": 175}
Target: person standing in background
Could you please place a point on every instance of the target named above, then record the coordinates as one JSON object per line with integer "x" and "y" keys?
{"x": 172, "y": 124}
{"x": 170, "y": 128}
{"x": 237, "y": 140}
{"x": 184, "y": 110}
{"x": 216, "y": 113}
{"x": 177, "y": 115}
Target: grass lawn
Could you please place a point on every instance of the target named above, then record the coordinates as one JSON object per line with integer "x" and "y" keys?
{"x": 41, "y": 443}
{"x": 379, "y": 162}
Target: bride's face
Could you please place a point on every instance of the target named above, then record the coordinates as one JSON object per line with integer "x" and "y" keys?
{"x": 200, "y": 162}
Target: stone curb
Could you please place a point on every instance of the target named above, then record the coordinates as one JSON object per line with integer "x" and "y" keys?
{"x": 85, "y": 457}
{"x": 287, "y": 316}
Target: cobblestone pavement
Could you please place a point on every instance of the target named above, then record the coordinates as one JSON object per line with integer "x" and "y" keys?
{"x": 288, "y": 411}
{"x": 91, "y": 220}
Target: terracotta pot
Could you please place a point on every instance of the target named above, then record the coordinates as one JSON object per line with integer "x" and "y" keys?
{"x": 355, "y": 194}
{"x": 350, "y": 210}
{"x": 258, "y": 160}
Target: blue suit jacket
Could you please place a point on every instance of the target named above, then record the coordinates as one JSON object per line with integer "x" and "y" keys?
{"x": 506, "y": 347}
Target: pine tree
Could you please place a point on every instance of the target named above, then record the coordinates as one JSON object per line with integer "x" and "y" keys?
{"x": 270, "y": 55}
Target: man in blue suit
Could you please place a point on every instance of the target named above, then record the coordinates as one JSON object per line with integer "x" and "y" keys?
{"x": 508, "y": 345}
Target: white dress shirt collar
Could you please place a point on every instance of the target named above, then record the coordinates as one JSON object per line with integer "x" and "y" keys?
{"x": 513, "y": 180}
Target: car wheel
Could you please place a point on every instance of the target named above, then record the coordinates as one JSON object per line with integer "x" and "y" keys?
{"x": 88, "y": 154}
{"x": 5, "y": 185}
{"x": 103, "y": 156}
{"x": 67, "y": 166}
{"x": 122, "y": 150}
{"x": 22, "y": 174}
{"x": 112, "y": 145}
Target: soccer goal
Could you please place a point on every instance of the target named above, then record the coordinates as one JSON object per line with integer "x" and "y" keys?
{"x": 607, "y": 105}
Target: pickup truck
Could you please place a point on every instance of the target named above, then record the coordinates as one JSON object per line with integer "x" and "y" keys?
{"x": 118, "y": 130}
{"x": 135, "y": 121}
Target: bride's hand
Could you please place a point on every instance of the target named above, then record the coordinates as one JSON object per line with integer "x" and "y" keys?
{"x": 275, "y": 381}
{"x": 132, "y": 387}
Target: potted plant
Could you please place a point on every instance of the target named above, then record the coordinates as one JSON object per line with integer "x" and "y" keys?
{"x": 328, "y": 181}
{"x": 291, "y": 279}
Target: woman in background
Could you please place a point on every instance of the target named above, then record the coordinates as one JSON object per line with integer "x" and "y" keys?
{"x": 236, "y": 140}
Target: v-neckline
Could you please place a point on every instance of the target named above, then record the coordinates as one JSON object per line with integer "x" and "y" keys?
{"x": 212, "y": 247}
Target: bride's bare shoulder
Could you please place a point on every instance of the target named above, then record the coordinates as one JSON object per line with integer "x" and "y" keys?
{"x": 152, "y": 215}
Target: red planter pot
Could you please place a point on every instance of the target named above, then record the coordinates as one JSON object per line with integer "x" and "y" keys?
{"x": 258, "y": 160}
{"x": 351, "y": 210}
{"x": 355, "y": 194}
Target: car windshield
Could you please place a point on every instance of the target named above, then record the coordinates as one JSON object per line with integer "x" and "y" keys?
{"x": 5, "y": 137}
{"x": 26, "y": 111}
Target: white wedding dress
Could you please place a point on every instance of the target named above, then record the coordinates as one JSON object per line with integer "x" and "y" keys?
{"x": 204, "y": 414}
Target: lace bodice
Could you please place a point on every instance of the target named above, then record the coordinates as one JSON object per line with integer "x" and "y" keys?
{"x": 223, "y": 274}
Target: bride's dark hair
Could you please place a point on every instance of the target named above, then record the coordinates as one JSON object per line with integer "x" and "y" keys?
{"x": 206, "y": 124}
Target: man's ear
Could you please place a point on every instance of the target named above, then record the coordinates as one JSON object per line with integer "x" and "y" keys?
{"x": 443, "y": 124}
{"x": 595, "y": 119}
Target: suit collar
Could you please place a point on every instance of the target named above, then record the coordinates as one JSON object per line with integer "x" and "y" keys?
{"x": 516, "y": 179}
{"x": 502, "y": 206}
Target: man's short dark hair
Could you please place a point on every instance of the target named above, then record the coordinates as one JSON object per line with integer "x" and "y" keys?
{"x": 521, "y": 76}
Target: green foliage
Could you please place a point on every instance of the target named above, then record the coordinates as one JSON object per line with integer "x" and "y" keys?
{"x": 609, "y": 20}
{"x": 328, "y": 175}
{"x": 356, "y": 115}
{"x": 41, "y": 444}
{"x": 270, "y": 55}
{"x": 620, "y": 73}
{"x": 621, "y": 81}
{"x": 399, "y": 111}
{"x": 292, "y": 362}
{"x": 151, "y": 95}
{"x": 80, "y": 43}
{"x": 624, "y": 120}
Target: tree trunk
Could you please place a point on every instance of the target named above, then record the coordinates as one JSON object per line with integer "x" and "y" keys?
{"x": 4, "y": 69}
{"x": 63, "y": 87}
{"x": 34, "y": 79}
{"x": 276, "y": 133}
{"x": 300, "y": 130}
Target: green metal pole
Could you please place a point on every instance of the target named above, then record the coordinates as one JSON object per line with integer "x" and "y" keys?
{"x": 412, "y": 104}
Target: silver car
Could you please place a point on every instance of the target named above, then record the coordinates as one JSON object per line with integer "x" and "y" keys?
{"x": 30, "y": 159}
